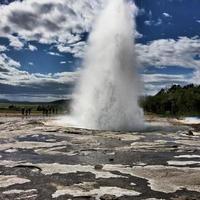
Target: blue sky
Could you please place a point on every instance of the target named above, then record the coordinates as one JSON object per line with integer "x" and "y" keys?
{"x": 42, "y": 45}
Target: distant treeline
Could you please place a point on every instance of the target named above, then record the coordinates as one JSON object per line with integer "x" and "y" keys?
{"x": 177, "y": 101}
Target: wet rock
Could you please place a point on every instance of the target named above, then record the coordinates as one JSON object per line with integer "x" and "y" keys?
{"x": 35, "y": 122}
{"x": 185, "y": 198}
{"x": 196, "y": 127}
{"x": 190, "y": 133}
{"x": 108, "y": 197}
{"x": 194, "y": 150}
{"x": 31, "y": 167}
{"x": 93, "y": 165}
{"x": 86, "y": 198}
{"x": 175, "y": 146}
{"x": 98, "y": 167}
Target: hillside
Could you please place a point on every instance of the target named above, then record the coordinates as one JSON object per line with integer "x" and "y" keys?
{"x": 177, "y": 101}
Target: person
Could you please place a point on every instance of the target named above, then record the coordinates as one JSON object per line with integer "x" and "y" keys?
{"x": 26, "y": 111}
{"x": 47, "y": 111}
{"x": 23, "y": 111}
{"x": 43, "y": 110}
{"x": 29, "y": 111}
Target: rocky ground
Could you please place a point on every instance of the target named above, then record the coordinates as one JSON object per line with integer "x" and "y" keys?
{"x": 40, "y": 160}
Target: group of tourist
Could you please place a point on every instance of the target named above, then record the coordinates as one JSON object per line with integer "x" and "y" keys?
{"x": 49, "y": 110}
{"x": 26, "y": 111}
{"x": 45, "y": 110}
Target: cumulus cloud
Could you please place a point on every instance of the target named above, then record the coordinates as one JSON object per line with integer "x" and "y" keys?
{"x": 183, "y": 52}
{"x": 138, "y": 35}
{"x": 157, "y": 22}
{"x": 32, "y": 47}
{"x": 60, "y": 22}
{"x": 77, "y": 49}
{"x": 16, "y": 82}
{"x": 3, "y": 48}
{"x": 22, "y": 78}
{"x": 31, "y": 63}
{"x": 15, "y": 42}
{"x": 169, "y": 52}
{"x": 7, "y": 64}
{"x": 35, "y": 97}
{"x": 167, "y": 15}
{"x": 148, "y": 22}
{"x": 54, "y": 85}
{"x": 54, "y": 53}
{"x": 155, "y": 82}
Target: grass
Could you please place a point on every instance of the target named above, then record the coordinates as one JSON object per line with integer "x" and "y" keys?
{"x": 16, "y": 108}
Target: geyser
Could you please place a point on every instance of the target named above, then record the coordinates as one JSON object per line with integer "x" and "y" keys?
{"x": 107, "y": 93}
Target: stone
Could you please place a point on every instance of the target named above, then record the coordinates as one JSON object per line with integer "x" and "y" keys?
{"x": 98, "y": 167}
{"x": 190, "y": 133}
{"x": 111, "y": 159}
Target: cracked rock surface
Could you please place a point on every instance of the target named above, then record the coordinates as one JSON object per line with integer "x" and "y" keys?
{"x": 41, "y": 160}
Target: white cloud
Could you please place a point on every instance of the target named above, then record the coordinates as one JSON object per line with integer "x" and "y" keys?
{"x": 151, "y": 78}
{"x": 170, "y": 52}
{"x": 7, "y": 63}
{"x": 15, "y": 42}
{"x": 63, "y": 62}
{"x": 167, "y": 15}
{"x": 24, "y": 78}
{"x": 35, "y": 97}
{"x": 3, "y": 48}
{"x": 31, "y": 63}
{"x": 155, "y": 82}
{"x": 184, "y": 52}
{"x": 60, "y": 22}
{"x": 153, "y": 22}
{"x": 76, "y": 49}
{"x": 15, "y": 81}
{"x": 159, "y": 22}
{"x": 141, "y": 11}
{"x": 54, "y": 53}
{"x": 148, "y": 22}
{"x": 138, "y": 35}
{"x": 32, "y": 48}
{"x": 196, "y": 78}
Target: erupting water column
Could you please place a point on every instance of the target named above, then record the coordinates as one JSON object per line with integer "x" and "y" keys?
{"x": 107, "y": 94}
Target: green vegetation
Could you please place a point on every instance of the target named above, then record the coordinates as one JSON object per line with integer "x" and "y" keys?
{"x": 175, "y": 101}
